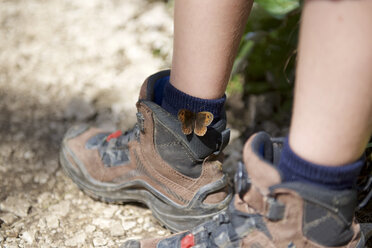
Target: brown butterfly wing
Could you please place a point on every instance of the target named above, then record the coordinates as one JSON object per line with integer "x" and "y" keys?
{"x": 202, "y": 121}
{"x": 187, "y": 118}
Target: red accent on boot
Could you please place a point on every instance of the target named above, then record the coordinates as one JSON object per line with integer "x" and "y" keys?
{"x": 114, "y": 135}
{"x": 188, "y": 241}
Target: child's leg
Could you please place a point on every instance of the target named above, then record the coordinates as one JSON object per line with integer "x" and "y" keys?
{"x": 302, "y": 202}
{"x": 206, "y": 37}
{"x": 332, "y": 118}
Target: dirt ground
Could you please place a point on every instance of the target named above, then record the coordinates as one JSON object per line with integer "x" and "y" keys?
{"x": 65, "y": 62}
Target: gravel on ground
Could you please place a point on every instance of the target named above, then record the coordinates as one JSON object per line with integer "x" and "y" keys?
{"x": 62, "y": 63}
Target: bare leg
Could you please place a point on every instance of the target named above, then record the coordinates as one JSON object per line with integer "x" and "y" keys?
{"x": 206, "y": 38}
{"x": 332, "y": 117}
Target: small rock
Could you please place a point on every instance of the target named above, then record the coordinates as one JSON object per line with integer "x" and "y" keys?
{"x": 27, "y": 236}
{"x": 127, "y": 218}
{"x": 15, "y": 205}
{"x": 41, "y": 224}
{"x": 28, "y": 155}
{"x": 90, "y": 228}
{"x": 52, "y": 221}
{"x": 147, "y": 212}
{"x": 135, "y": 237}
{"x": 140, "y": 220}
{"x": 161, "y": 233}
{"x": 68, "y": 196}
{"x": 234, "y": 134}
{"x": 138, "y": 230}
{"x": 116, "y": 229}
{"x": 98, "y": 234}
{"x": 99, "y": 242}
{"x": 44, "y": 197}
{"x": 129, "y": 225}
{"x": 111, "y": 243}
{"x": 60, "y": 209}
{"x": 109, "y": 211}
{"x": 147, "y": 225}
{"x": 102, "y": 223}
{"x": 129, "y": 211}
{"x": 8, "y": 218}
{"x": 41, "y": 178}
{"x": 78, "y": 239}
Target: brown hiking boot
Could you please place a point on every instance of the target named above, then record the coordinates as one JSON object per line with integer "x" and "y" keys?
{"x": 268, "y": 213}
{"x": 177, "y": 176}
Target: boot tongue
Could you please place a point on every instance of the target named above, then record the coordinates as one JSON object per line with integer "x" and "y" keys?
{"x": 258, "y": 158}
{"x": 151, "y": 88}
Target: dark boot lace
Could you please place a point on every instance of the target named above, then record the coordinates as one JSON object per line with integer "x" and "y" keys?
{"x": 113, "y": 147}
{"x": 123, "y": 140}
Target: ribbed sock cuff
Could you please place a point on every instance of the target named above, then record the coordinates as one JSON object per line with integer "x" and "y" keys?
{"x": 174, "y": 100}
{"x": 294, "y": 168}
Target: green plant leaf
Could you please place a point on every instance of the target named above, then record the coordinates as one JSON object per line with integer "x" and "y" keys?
{"x": 279, "y": 8}
{"x": 235, "y": 85}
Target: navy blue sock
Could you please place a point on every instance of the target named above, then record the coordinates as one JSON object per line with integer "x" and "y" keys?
{"x": 173, "y": 100}
{"x": 294, "y": 168}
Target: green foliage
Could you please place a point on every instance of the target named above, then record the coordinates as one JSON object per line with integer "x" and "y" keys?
{"x": 235, "y": 85}
{"x": 278, "y": 7}
{"x": 266, "y": 58}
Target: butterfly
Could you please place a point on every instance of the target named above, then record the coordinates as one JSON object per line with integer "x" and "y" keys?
{"x": 196, "y": 122}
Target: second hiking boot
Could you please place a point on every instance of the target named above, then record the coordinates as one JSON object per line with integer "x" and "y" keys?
{"x": 177, "y": 176}
{"x": 269, "y": 213}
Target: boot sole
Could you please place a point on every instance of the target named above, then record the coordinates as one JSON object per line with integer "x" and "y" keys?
{"x": 173, "y": 216}
{"x": 137, "y": 244}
